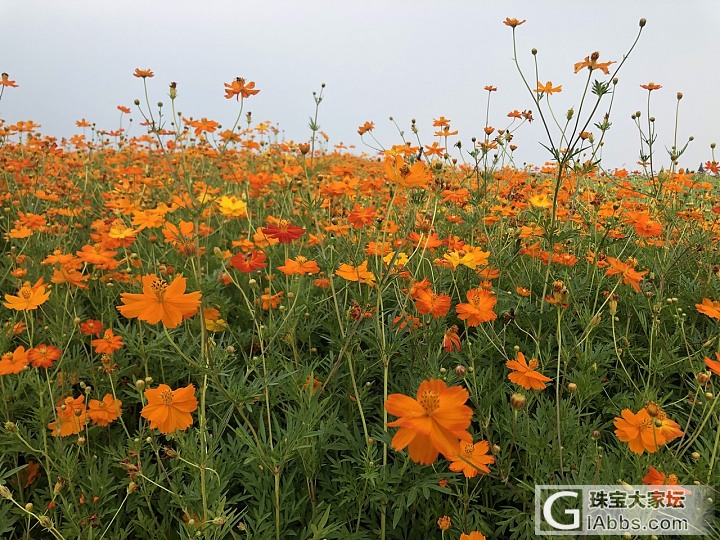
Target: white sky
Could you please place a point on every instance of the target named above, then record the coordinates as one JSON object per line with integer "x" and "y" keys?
{"x": 379, "y": 58}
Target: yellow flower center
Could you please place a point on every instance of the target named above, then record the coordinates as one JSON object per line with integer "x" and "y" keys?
{"x": 167, "y": 397}
{"x": 645, "y": 424}
{"x": 672, "y": 479}
{"x": 533, "y": 364}
{"x": 26, "y": 292}
{"x": 158, "y": 286}
{"x": 429, "y": 401}
{"x": 7, "y": 357}
{"x": 468, "y": 449}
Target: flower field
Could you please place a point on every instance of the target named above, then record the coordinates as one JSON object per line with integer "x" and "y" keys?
{"x": 215, "y": 333}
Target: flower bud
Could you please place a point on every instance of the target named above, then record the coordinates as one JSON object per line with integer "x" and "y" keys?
{"x": 695, "y": 456}
{"x": 460, "y": 371}
{"x": 572, "y": 387}
{"x": 518, "y": 401}
{"x": 5, "y": 492}
{"x": 643, "y": 22}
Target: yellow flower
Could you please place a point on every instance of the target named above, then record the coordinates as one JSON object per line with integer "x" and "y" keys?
{"x": 232, "y": 206}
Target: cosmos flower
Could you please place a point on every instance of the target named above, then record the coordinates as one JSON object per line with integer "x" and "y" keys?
{"x": 160, "y": 301}
{"x": 169, "y": 410}
{"x": 432, "y": 423}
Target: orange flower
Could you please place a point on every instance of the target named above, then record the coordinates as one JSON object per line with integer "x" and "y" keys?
{"x": 548, "y": 88}
{"x": 643, "y": 224}
{"x": 269, "y": 301}
{"x": 91, "y": 327}
{"x": 284, "y": 232}
{"x": 29, "y": 297}
{"x": 160, "y": 301}
{"x": 107, "y": 344}
{"x": 475, "y": 535}
{"x": 523, "y": 291}
{"x": 104, "y": 412}
{"x": 367, "y": 126}
{"x": 5, "y": 81}
{"x": 14, "y": 362}
{"x": 361, "y": 273}
{"x": 651, "y": 86}
{"x": 427, "y": 302}
{"x": 144, "y": 73}
{"x": 249, "y": 262}
{"x": 479, "y": 308}
{"x": 415, "y": 175}
{"x": 444, "y": 523}
{"x": 512, "y": 23}
{"x": 525, "y": 374}
{"x": 70, "y": 417}
{"x": 360, "y": 217}
{"x": 713, "y": 365}
{"x": 472, "y": 458}
{"x": 169, "y": 410}
{"x": 299, "y": 266}
{"x": 451, "y": 339}
{"x": 203, "y": 125}
{"x": 238, "y": 89}
{"x": 591, "y": 62}
{"x": 432, "y": 423}
{"x": 44, "y": 355}
{"x": 710, "y": 308}
{"x": 627, "y": 271}
{"x": 656, "y": 478}
{"x": 644, "y": 431}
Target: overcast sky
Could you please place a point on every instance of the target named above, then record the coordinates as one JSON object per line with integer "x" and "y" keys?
{"x": 379, "y": 58}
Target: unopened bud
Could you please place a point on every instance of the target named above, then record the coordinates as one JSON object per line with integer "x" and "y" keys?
{"x": 460, "y": 371}
{"x": 643, "y": 22}
{"x": 572, "y": 387}
{"x": 695, "y": 456}
{"x": 518, "y": 401}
